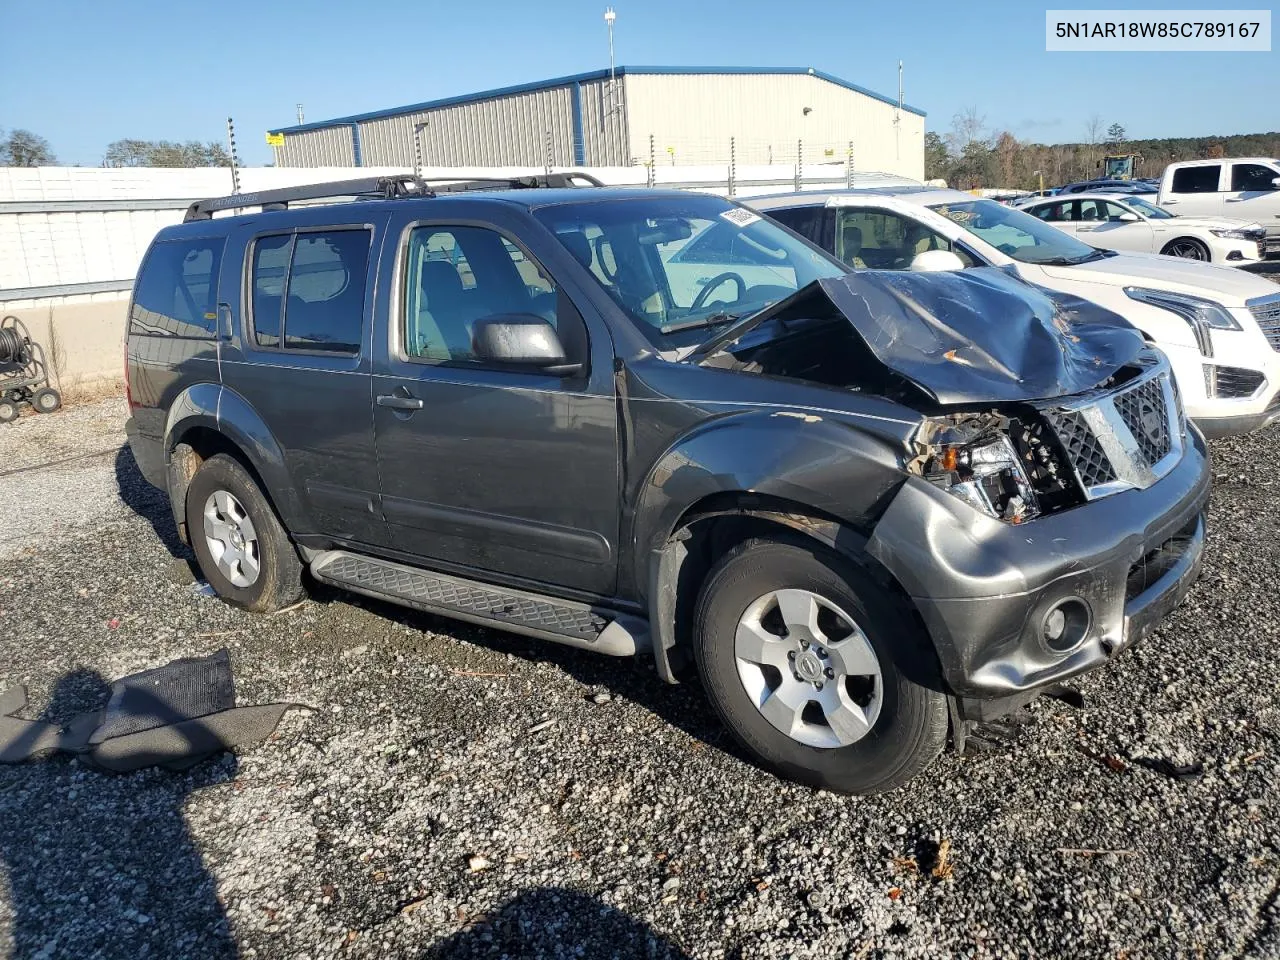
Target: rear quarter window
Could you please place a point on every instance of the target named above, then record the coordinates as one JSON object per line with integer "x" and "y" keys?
{"x": 177, "y": 290}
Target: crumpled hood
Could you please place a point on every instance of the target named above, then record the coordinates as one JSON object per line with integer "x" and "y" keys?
{"x": 971, "y": 336}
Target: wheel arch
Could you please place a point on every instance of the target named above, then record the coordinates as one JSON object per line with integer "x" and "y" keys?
{"x": 208, "y": 419}
{"x": 710, "y": 527}
{"x": 1189, "y": 239}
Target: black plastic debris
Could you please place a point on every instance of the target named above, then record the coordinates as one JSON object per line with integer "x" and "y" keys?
{"x": 1174, "y": 771}
{"x": 173, "y": 716}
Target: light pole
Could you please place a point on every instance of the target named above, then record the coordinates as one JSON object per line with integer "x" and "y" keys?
{"x": 609, "y": 17}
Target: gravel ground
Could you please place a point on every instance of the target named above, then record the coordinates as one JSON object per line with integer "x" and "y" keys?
{"x": 425, "y": 807}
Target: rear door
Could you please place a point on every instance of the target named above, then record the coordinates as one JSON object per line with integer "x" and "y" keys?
{"x": 1196, "y": 190}
{"x": 301, "y": 360}
{"x": 504, "y": 474}
{"x": 1063, "y": 214}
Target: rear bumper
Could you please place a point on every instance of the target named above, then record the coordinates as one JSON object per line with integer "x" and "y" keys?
{"x": 148, "y": 453}
{"x": 984, "y": 588}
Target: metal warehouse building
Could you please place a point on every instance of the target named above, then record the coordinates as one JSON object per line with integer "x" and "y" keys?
{"x": 684, "y": 115}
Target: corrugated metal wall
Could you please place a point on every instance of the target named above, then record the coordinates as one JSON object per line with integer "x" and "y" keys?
{"x": 517, "y": 130}
{"x": 322, "y": 147}
{"x": 604, "y": 124}
{"x": 692, "y": 117}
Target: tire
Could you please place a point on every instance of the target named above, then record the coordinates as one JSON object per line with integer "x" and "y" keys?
{"x": 8, "y": 410}
{"x": 903, "y": 723}
{"x": 1188, "y": 248}
{"x": 268, "y": 574}
{"x": 46, "y": 400}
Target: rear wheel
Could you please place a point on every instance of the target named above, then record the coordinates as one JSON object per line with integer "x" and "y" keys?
{"x": 816, "y": 668}
{"x": 46, "y": 400}
{"x": 243, "y": 551}
{"x": 1188, "y": 248}
{"x": 8, "y": 410}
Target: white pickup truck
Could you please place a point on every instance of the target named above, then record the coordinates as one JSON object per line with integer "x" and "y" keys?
{"x": 1246, "y": 188}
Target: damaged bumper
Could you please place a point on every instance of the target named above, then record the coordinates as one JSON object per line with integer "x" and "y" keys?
{"x": 990, "y": 593}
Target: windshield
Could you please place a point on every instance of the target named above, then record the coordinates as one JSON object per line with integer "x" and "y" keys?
{"x": 1017, "y": 234}
{"x": 1149, "y": 209}
{"x": 682, "y": 267}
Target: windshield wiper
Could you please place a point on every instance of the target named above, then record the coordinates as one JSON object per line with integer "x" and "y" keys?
{"x": 714, "y": 320}
{"x": 1072, "y": 261}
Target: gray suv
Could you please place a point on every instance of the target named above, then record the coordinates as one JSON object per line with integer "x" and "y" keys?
{"x": 637, "y": 420}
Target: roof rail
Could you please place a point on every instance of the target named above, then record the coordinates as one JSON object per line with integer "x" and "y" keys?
{"x": 386, "y": 188}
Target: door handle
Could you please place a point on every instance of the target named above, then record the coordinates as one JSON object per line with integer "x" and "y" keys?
{"x": 1236, "y": 199}
{"x": 399, "y": 402}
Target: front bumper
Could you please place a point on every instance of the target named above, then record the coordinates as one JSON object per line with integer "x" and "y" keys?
{"x": 984, "y": 587}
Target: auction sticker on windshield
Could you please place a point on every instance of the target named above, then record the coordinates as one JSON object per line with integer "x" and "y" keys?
{"x": 739, "y": 216}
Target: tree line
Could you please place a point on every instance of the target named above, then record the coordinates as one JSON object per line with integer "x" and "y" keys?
{"x": 971, "y": 154}
{"x": 22, "y": 148}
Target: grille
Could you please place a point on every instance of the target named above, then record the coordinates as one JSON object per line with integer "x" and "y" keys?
{"x": 1267, "y": 314}
{"x": 1236, "y": 381}
{"x": 1143, "y": 411}
{"x": 1082, "y": 448}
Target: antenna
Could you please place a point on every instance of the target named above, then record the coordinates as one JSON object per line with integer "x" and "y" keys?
{"x": 300, "y": 120}
{"x": 897, "y": 117}
{"x": 609, "y": 17}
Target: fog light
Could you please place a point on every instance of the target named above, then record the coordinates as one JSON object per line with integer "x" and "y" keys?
{"x": 1066, "y": 625}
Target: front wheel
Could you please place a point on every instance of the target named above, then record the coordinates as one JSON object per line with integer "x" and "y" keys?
{"x": 816, "y": 669}
{"x": 1188, "y": 248}
{"x": 243, "y": 551}
{"x": 8, "y": 410}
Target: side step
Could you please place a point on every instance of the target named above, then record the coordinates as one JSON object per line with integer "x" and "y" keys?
{"x": 563, "y": 621}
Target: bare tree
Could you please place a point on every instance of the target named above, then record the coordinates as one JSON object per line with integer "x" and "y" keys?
{"x": 968, "y": 127}
{"x": 1093, "y": 133}
{"x": 165, "y": 153}
{"x": 22, "y": 148}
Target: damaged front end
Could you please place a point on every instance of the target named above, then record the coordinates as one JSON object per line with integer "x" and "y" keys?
{"x": 1053, "y": 507}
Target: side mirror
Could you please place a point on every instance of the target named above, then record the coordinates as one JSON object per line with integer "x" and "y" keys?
{"x": 1127, "y": 217}
{"x": 1275, "y": 182}
{"x": 521, "y": 340}
{"x": 933, "y": 261}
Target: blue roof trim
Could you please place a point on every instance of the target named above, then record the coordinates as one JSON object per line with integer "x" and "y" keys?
{"x": 585, "y": 78}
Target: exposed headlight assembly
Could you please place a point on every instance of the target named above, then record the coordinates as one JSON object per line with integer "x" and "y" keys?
{"x": 1201, "y": 315}
{"x": 984, "y": 472}
{"x": 1239, "y": 233}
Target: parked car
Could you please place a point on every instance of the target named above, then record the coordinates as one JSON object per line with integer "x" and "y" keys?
{"x": 1242, "y": 187}
{"x": 1136, "y": 187}
{"x": 1219, "y": 327}
{"x": 1115, "y": 221}
{"x": 630, "y": 418}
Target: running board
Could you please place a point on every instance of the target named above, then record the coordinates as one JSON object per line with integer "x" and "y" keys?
{"x": 549, "y": 618}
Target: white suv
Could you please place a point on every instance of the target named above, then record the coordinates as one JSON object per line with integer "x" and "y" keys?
{"x": 1220, "y": 327}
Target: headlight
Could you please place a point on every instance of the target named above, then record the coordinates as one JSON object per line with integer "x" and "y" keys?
{"x": 1200, "y": 314}
{"x": 987, "y": 475}
{"x": 1240, "y": 233}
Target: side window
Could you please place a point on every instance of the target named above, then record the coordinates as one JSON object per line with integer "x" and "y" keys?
{"x": 1113, "y": 211}
{"x": 455, "y": 276}
{"x": 1053, "y": 212}
{"x": 308, "y": 290}
{"x": 324, "y": 309}
{"x": 176, "y": 291}
{"x": 1092, "y": 210}
{"x": 880, "y": 240}
{"x": 1202, "y": 179}
{"x": 267, "y": 280}
{"x": 1252, "y": 177}
{"x": 806, "y": 221}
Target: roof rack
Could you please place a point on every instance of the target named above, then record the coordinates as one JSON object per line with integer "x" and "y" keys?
{"x": 385, "y": 188}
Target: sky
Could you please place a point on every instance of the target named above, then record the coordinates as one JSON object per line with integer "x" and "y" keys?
{"x": 83, "y": 74}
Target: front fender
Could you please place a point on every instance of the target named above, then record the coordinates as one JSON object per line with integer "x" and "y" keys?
{"x": 222, "y": 410}
{"x": 824, "y": 464}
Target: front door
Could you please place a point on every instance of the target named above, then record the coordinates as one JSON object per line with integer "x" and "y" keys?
{"x": 1101, "y": 225}
{"x": 506, "y": 472}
